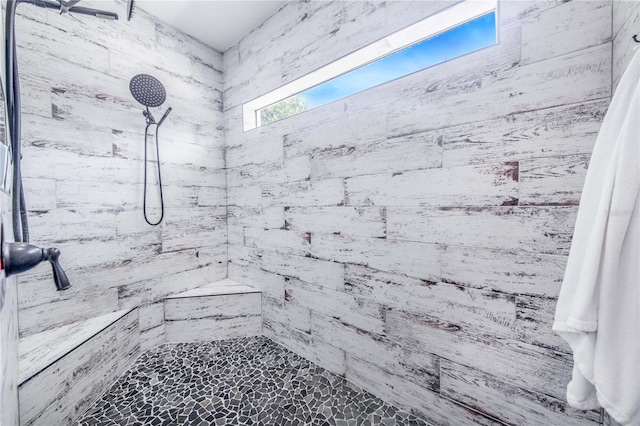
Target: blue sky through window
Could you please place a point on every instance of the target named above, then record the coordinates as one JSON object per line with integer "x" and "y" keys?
{"x": 458, "y": 41}
{"x": 469, "y": 37}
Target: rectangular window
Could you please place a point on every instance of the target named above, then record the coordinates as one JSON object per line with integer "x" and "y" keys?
{"x": 456, "y": 31}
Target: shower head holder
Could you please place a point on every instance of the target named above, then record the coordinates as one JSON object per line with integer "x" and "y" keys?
{"x": 65, "y": 6}
{"x": 148, "y": 116}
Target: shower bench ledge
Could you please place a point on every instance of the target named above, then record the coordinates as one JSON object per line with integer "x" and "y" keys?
{"x": 41, "y": 350}
{"x": 62, "y": 370}
{"x": 222, "y": 310}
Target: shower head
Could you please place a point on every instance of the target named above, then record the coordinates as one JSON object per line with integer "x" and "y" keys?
{"x": 147, "y": 90}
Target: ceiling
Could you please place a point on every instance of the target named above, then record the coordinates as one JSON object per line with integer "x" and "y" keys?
{"x": 218, "y": 23}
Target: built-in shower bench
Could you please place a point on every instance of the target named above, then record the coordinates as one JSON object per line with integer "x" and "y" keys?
{"x": 223, "y": 310}
{"x": 64, "y": 369}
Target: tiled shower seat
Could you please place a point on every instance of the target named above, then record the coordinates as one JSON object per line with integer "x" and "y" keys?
{"x": 222, "y": 310}
{"x": 61, "y": 371}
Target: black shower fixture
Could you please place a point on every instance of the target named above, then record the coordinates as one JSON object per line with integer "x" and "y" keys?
{"x": 20, "y": 256}
{"x": 131, "y": 7}
{"x": 150, "y": 92}
{"x": 20, "y": 222}
{"x": 70, "y": 7}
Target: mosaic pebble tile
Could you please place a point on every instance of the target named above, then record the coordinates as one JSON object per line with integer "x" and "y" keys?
{"x": 247, "y": 381}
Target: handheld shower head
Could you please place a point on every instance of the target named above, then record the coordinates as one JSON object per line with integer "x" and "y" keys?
{"x": 147, "y": 90}
{"x": 164, "y": 116}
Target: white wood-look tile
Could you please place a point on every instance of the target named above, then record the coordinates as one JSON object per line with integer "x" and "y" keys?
{"x": 65, "y": 389}
{"x": 38, "y": 351}
{"x": 508, "y": 402}
{"x": 223, "y": 287}
{"x": 83, "y": 164}
{"x": 208, "y": 329}
{"x": 221, "y": 306}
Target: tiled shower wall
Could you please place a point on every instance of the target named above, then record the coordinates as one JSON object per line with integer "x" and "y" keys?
{"x": 9, "y": 310}
{"x": 83, "y": 165}
{"x": 413, "y": 237}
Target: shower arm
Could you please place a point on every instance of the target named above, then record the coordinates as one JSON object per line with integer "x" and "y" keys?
{"x": 69, "y": 7}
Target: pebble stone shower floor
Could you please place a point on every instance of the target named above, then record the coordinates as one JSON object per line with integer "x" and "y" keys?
{"x": 247, "y": 381}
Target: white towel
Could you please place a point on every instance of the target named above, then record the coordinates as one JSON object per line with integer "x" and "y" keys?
{"x": 598, "y": 310}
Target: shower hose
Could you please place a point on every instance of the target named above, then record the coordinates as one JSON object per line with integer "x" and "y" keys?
{"x": 19, "y": 210}
{"x": 144, "y": 200}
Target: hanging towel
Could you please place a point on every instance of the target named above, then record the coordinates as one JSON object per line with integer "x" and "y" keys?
{"x": 598, "y": 310}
